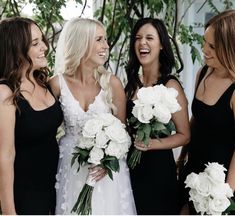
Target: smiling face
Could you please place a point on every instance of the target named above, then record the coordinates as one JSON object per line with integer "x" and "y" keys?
{"x": 100, "y": 48}
{"x": 37, "y": 49}
{"x": 210, "y": 56}
{"x": 147, "y": 45}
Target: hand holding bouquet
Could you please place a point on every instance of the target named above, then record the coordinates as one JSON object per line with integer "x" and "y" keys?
{"x": 209, "y": 192}
{"x": 152, "y": 114}
{"x": 103, "y": 143}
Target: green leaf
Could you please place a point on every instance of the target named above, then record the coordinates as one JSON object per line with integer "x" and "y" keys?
{"x": 140, "y": 134}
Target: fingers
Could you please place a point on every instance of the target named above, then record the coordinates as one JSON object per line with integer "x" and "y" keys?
{"x": 141, "y": 146}
{"x": 97, "y": 172}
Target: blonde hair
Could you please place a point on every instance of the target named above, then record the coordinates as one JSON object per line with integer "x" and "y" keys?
{"x": 75, "y": 43}
{"x": 224, "y": 34}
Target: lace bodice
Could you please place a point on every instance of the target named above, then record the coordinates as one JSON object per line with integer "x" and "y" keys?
{"x": 74, "y": 116}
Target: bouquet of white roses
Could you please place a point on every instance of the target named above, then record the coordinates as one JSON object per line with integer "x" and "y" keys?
{"x": 209, "y": 192}
{"x": 103, "y": 143}
{"x": 152, "y": 114}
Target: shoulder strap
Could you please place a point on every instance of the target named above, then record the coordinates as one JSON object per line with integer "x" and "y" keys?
{"x": 201, "y": 75}
{"x": 4, "y": 82}
{"x": 165, "y": 79}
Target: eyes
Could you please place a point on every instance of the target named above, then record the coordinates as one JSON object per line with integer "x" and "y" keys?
{"x": 37, "y": 42}
{"x": 209, "y": 44}
{"x": 148, "y": 37}
{"x": 101, "y": 39}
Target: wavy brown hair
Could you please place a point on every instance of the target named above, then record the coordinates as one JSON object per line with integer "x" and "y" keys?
{"x": 224, "y": 34}
{"x": 15, "y": 42}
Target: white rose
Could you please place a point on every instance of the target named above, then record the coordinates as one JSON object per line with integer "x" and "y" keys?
{"x": 162, "y": 113}
{"x": 215, "y": 172}
{"x": 220, "y": 190}
{"x": 218, "y": 205}
{"x": 107, "y": 119}
{"x": 96, "y": 154}
{"x": 146, "y": 95}
{"x": 201, "y": 206}
{"x": 143, "y": 113}
{"x": 101, "y": 139}
{"x": 117, "y": 150}
{"x": 191, "y": 180}
{"x": 85, "y": 143}
{"x": 170, "y": 100}
{"x": 117, "y": 133}
{"x": 160, "y": 91}
{"x": 195, "y": 196}
{"x": 204, "y": 185}
{"x": 91, "y": 128}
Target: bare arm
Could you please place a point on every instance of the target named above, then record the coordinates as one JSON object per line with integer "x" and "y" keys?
{"x": 7, "y": 151}
{"x": 231, "y": 171}
{"x": 119, "y": 98}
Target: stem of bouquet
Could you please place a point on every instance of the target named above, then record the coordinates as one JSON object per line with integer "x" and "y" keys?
{"x": 83, "y": 204}
{"x": 134, "y": 158}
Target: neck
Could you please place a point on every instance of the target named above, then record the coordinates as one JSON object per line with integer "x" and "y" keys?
{"x": 85, "y": 74}
{"x": 150, "y": 76}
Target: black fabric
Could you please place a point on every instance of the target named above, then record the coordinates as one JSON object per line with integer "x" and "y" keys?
{"x": 36, "y": 157}
{"x": 212, "y": 135}
{"x": 154, "y": 180}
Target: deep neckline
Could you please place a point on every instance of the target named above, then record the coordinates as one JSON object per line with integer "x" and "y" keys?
{"x": 220, "y": 98}
{"x": 77, "y": 101}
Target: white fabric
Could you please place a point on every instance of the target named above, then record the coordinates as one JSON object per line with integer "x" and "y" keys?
{"x": 112, "y": 197}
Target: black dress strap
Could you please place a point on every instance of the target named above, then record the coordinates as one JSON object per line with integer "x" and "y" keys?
{"x": 4, "y": 82}
{"x": 202, "y": 74}
{"x": 164, "y": 79}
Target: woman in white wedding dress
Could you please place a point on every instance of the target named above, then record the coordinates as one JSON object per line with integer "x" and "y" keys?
{"x": 84, "y": 88}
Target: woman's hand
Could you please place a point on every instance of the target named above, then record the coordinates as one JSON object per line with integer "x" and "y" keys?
{"x": 97, "y": 172}
{"x": 141, "y": 146}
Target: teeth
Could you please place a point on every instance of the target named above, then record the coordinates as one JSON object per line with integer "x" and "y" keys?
{"x": 144, "y": 51}
{"x": 102, "y": 54}
{"x": 41, "y": 56}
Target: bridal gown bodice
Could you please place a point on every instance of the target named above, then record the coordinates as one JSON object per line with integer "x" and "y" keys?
{"x": 109, "y": 196}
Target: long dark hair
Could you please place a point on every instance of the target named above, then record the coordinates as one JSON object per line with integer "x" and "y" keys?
{"x": 166, "y": 57}
{"x": 15, "y": 42}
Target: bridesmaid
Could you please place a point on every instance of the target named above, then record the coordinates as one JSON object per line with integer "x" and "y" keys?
{"x": 154, "y": 180}
{"x": 29, "y": 118}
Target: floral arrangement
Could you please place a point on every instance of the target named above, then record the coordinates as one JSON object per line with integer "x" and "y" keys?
{"x": 209, "y": 192}
{"x": 152, "y": 114}
{"x": 103, "y": 143}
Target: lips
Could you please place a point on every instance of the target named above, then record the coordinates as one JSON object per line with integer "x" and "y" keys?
{"x": 102, "y": 54}
{"x": 144, "y": 51}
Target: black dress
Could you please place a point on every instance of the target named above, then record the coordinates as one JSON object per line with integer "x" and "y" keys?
{"x": 36, "y": 158}
{"x": 154, "y": 180}
{"x": 212, "y": 135}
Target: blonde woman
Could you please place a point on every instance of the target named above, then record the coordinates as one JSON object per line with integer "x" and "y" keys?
{"x": 84, "y": 88}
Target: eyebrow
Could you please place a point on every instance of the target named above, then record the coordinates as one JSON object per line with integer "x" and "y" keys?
{"x": 154, "y": 35}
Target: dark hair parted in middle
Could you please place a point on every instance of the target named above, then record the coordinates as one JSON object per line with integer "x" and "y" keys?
{"x": 166, "y": 58}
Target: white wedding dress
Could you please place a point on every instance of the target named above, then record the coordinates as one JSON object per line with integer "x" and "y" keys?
{"x": 110, "y": 197}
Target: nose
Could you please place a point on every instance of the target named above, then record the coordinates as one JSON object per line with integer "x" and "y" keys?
{"x": 43, "y": 46}
{"x": 106, "y": 46}
{"x": 205, "y": 48}
{"x": 143, "y": 41}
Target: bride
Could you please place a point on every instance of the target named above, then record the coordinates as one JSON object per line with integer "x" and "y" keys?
{"x": 84, "y": 88}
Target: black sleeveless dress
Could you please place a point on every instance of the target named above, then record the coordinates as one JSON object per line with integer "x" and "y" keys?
{"x": 212, "y": 135}
{"x": 36, "y": 157}
{"x": 154, "y": 180}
